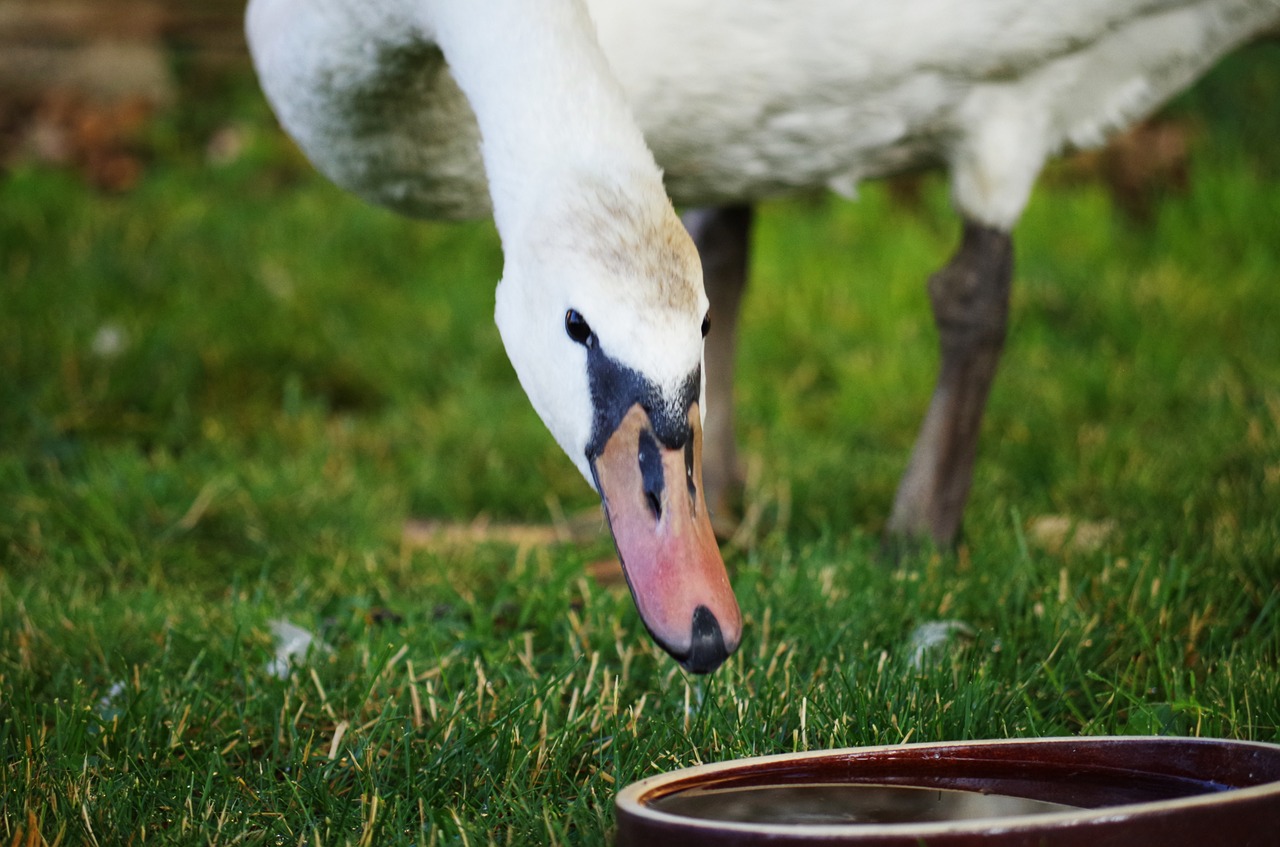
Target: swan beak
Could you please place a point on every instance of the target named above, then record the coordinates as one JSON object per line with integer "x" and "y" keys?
{"x": 653, "y": 500}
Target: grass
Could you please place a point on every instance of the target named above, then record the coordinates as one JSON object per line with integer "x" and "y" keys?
{"x": 225, "y": 390}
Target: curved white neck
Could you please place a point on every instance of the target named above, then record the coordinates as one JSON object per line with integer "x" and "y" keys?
{"x": 551, "y": 115}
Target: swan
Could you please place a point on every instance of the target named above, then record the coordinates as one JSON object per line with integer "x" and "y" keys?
{"x": 600, "y": 307}
{"x": 554, "y": 117}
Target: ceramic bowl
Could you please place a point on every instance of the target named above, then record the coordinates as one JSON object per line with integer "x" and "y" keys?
{"x": 1051, "y": 792}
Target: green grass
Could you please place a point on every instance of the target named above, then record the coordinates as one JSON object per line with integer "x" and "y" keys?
{"x": 296, "y": 374}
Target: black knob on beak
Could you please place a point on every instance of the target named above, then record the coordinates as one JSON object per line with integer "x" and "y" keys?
{"x": 706, "y": 651}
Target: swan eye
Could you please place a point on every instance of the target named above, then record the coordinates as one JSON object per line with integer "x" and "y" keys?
{"x": 578, "y": 328}
{"x": 706, "y": 324}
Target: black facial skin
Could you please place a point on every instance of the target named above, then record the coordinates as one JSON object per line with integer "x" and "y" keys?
{"x": 615, "y": 388}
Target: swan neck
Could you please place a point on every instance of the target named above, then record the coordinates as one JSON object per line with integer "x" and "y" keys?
{"x": 551, "y": 115}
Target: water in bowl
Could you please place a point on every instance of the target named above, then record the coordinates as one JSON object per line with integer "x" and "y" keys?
{"x": 846, "y": 803}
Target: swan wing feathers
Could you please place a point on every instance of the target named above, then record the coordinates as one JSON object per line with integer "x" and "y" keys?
{"x": 369, "y": 99}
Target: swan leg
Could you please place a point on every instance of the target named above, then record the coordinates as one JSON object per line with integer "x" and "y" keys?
{"x": 970, "y": 299}
{"x": 722, "y": 235}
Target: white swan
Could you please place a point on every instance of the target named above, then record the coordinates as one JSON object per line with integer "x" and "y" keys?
{"x": 601, "y": 305}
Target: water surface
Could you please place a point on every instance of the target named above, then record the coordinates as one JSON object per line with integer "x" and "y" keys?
{"x": 844, "y": 803}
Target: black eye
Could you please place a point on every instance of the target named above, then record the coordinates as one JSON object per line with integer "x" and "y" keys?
{"x": 706, "y": 324}
{"x": 576, "y": 325}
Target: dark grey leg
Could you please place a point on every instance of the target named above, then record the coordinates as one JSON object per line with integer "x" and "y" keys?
{"x": 722, "y": 235}
{"x": 970, "y": 298}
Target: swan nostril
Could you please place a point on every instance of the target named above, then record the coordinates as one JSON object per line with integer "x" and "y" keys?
{"x": 688, "y": 475}
{"x": 651, "y": 475}
{"x": 706, "y": 650}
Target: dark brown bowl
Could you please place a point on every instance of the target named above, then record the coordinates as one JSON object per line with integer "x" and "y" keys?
{"x": 1108, "y": 791}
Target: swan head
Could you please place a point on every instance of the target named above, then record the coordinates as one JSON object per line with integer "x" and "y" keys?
{"x": 602, "y": 312}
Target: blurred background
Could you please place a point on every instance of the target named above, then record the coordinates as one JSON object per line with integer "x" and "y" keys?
{"x": 81, "y": 77}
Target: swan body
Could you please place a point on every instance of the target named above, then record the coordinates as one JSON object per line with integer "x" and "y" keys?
{"x": 555, "y": 117}
{"x": 750, "y": 99}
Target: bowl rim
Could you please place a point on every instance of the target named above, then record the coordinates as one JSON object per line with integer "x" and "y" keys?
{"x": 633, "y": 800}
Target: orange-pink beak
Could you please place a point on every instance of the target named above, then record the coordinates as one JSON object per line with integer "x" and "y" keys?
{"x": 653, "y": 499}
